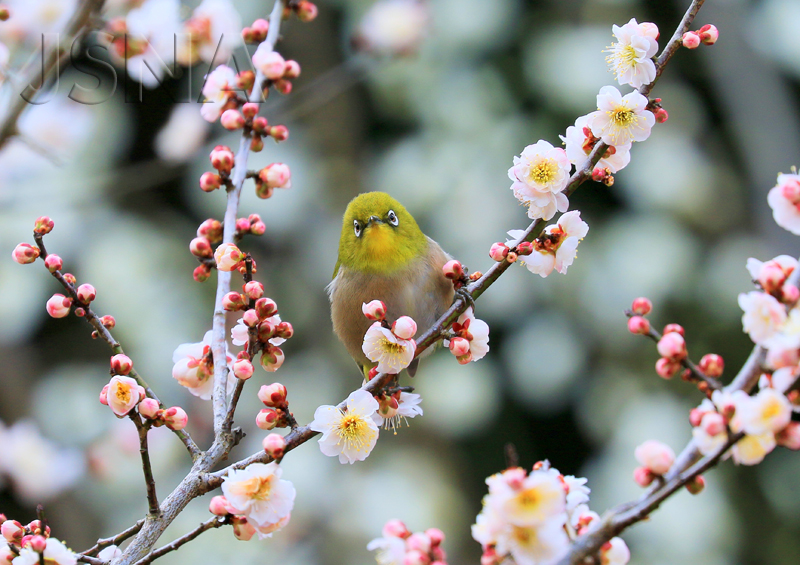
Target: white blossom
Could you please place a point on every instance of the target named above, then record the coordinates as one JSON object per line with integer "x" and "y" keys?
{"x": 55, "y": 553}
{"x": 579, "y": 142}
{"x": 349, "y": 434}
{"x": 631, "y": 56}
{"x": 392, "y": 353}
{"x": 768, "y": 411}
{"x": 407, "y": 407}
{"x": 390, "y": 550}
{"x": 540, "y": 175}
{"x": 621, "y": 119}
{"x": 182, "y": 135}
{"x": 192, "y": 372}
{"x": 218, "y": 89}
{"x": 559, "y": 248}
{"x": 784, "y": 199}
{"x": 477, "y": 333}
{"x": 763, "y": 315}
{"x": 154, "y": 25}
{"x": 258, "y": 493}
{"x": 394, "y": 27}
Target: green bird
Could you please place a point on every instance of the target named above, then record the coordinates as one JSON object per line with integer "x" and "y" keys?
{"x": 383, "y": 255}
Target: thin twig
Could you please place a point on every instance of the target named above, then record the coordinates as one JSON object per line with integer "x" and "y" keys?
{"x": 149, "y": 481}
{"x": 115, "y": 540}
{"x": 91, "y": 560}
{"x": 105, "y": 334}
{"x": 209, "y": 524}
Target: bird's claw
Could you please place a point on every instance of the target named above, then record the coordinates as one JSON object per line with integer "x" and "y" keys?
{"x": 466, "y": 297}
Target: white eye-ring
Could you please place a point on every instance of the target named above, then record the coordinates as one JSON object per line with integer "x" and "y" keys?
{"x": 357, "y": 228}
{"x": 392, "y": 217}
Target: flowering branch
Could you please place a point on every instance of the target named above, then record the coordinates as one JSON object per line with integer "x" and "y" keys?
{"x": 53, "y": 62}
{"x": 114, "y": 540}
{"x": 143, "y": 428}
{"x": 104, "y": 333}
{"x": 209, "y": 524}
{"x": 91, "y": 560}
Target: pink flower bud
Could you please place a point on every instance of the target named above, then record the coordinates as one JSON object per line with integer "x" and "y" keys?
{"x": 58, "y": 305}
{"x": 789, "y": 436}
{"x": 108, "y": 321}
{"x": 12, "y": 531}
{"x": 260, "y": 28}
{"x": 121, "y": 364}
{"x": 713, "y": 423}
{"x": 228, "y": 256}
{"x": 258, "y": 228}
{"x": 284, "y": 330}
{"x": 464, "y": 359}
{"x": 53, "y": 263}
{"x": 489, "y": 556}
{"x": 453, "y": 270}
{"x": 219, "y": 506}
{"x": 498, "y": 251}
{"x": 771, "y": 277}
{"x": 273, "y": 395}
{"x": 404, "y": 327}
{"x": 271, "y": 64}
{"x": 395, "y": 529}
{"x": 696, "y": 485}
{"x": 201, "y": 247}
{"x": 661, "y": 115}
{"x": 656, "y": 456}
{"x": 790, "y": 294}
{"x": 250, "y": 318}
{"x": 242, "y": 529}
{"x": 175, "y": 418}
{"x": 711, "y": 365}
{"x": 511, "y": 257}
{"x": 254, "y": 290}
{"x": 279, "y": 133}
{"x": 222, "y": 159}
{"x": 242, "y": 225}
{"x": 233, "y": 301}
{"x": 149, "y": 408}
{"x": 696, "y": 416}
{"x": 708, "y": 34}
{"x": 643, "y": 476}
{"x": 104, "y": 396}
{"x": 262, "y": 190}
{"x": 419, "y": 541}
{"x": 266, "y": 308}
{"x": 274, "y": 445}
{"x": 672, "y": 346}
{"x": 70, "y": 278}
{"x": 201, "y": 273}
{"x": 232, "y": 119}
{"x": 243, "y": 369}
{"x": 267, "y": 419}
{"x": 306, "y": 11}
{"x": 211, "y": 229}
{"x": 276, "y": 175}
{"x": 25, "y": 253}
{"x": 524, "y": 248}
{"x": 266, "y": 331}
{"x": 459, "y": 346}
{"x": 666, "y": 368}
{"x": 250, "y": 110}
{"x": 210, "y": 182}
{"x": 690, "y": 40}
{"x": 43, "y": 225}
{"x": 292, "y": 69}
{"x": 375, "y": 310}
{"x": 638, "y": 325}
{"x": 599, "y": 174}
{"x": 37, "y": 543}
{"x": 283, "y": 86}
{"x": 260, "y": 125}
{"x": 674, "y": 328}
{"x": 416, "y": 557}
{"x": 86, "y": 293}
{"x": 436, "y": 536}
{"x": 271, "y": 358}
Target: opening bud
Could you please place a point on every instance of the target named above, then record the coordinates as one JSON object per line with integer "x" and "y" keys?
{"x": 260, "y": 125}
{"x": 276, "y": 175}
{"x": 643, "y": 476}
{"x": 638, "y": 325}
{"x": 43, "y": 225}
{"x": 201, "y": 247}
{"x": 250, "y": 318}
{"x": 149, "y": 408}
{"x": 404, "y": 327}
{"x": 666, "y": 368}
{"x": 453, "y": 270}
{"x": 86, "y": 293}
{"x": 232, "y": 119}
{"x": 279, "y": 133}
{"x": 292, "y": 69}
{"x": 672, "y": 346}
{"x": 790, "y": 294}
{"x": 228, "y": 256}
{"x": 436, "y": 536}
{"x": 250, "y": 110}
{"x": 243, "y": 369}
{"x": 599, "y": 175}
{"x": 690, "y": 40}
{"x": 524, "y": 248}
{"x": 210, "y": 182}
{"x": 37, "y": 543}
{"x": 267, "y": 419}
{"x": 459, "y": 346}
{"x": 12, "y": 531}
{"x": 219, "y": 506}
{"x": 283, "y": 86}
{"x": 25, "y": 253}
{"x": 260, "y": 29}
{"x": 661, "y": 115}
{"x": 375, "y": 310}
{"x": 271, "y": 358}
{"x": 708, "y": 34}
{"x": 210, "y": 229}
{"x": 242, "y": 529}
{"x": 175, "y": 418}
{"x": 498, "y": 251}
{"x": 266, "y": 308}
{"x": 274, "y": 445}
{"x": 269, "y": 62}
{"x": 676, "y": 328}
{"x": 233, "y": 301}
{"x": 713, "y": 423}
{"x": 121, "y": 364}
{"x": 656, "y": 456}
{"x": 284, "y": 330}
{"x": 53, "y": 263}
{"x": 222, "y": 159}
{"x": 306, "y": 11}
{"x": 58, "y": 306}
{"x": 254, "y": 290}
{"x": 712, "y": 365}
{"x": 201, "y": 273}
{"x": 273, "y": 395}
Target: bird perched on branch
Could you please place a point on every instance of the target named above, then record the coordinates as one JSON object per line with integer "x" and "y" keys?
{"x": 383, "y": 255}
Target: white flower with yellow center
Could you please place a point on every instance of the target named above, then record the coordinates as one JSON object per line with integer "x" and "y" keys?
{"x": 55, "y": 553}
{"x": 621, "y": 119}
{"x": 534, "y": 545}
{"x": 768, "y": 411}
{"x": 392, "y": 353}
{"x": 532, "y": 502}
{"x": 631, "y": 57}
{"x": 579, "y": 142}
{"x": 751, "y": 450}
{"x": 556, "y": 248}
{"x": 258, "y": 493}
{"x": 539, "y": 175}
{"x": 763, "y": 315}
{"x": 352, "y": 433}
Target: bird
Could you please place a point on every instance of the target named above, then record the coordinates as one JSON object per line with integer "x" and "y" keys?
{"x": 383, "y": 255}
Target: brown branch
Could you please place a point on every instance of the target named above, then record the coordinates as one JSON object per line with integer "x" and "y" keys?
{"x": 91, "y": 560}
{"x": 149, "y": 481}
{"x": 115, "y": 540}
{"x": 209, "y": 524}
{"x": 105, "y": 334}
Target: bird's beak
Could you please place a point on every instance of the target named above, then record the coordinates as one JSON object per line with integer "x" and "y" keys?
{"x": 374, "y": 220}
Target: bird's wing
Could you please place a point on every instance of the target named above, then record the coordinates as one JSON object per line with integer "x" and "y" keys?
{"x": 336, "y": 268}
{"x": 331, "y": 287}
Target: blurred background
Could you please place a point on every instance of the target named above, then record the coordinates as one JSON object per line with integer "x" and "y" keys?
{"x": 437, "y": 128}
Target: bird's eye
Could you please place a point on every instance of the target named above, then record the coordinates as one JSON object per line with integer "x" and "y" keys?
{"x": 392, "y": 217}
{"x": 357, "y": 228}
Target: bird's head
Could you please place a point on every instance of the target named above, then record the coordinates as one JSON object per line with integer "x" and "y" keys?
{"x": 378, "y": 235}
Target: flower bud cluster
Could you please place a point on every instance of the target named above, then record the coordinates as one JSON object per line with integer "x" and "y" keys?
{"x": 278, "y": 71}
{"x": 707, "y": 35}
{"x": 31, "y": 544}
{"x": 250, "y": 225}
{"x": 276, "y": 175}
{"x": 399, "y": 545}
{"x": 470, "y": 341}
{"x": 773, "y": 276}
{"x": 392, "y": 347}
{"x": 655, "y": 458}
{"x": 276, "y": 414}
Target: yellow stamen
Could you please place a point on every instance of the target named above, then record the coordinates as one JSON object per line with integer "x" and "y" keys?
{"x": 391, "y": 347}
{"x": 258, "y": 488}
{"x": 623, "y": 117}
{"x": 123, "y": 392}
{"x": 543, "y": 172}
{"x": 353, "y": 431}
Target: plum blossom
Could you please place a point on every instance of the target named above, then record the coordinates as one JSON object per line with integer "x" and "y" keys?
{"x": 655, "y": 456}
{"x": 393, "y": 354}
{"x": 631, "y": 56}
{"x": 621, "y": 119}
{"x": 763, "y": 315}
{"x": 240, "y": 337}
{"x": 349, "y": 434}
{"x": 540, "y": 175}
{"x": 194, "y": 369}
{"x": 751, "y": 449}
{"x": 393, "y": 27}
{"x": 390, "y": 550}
{"x": 580, "y": 141}
{"x": 577, "y": 491}
{"x": 556, "y": 248}
{"x": 212, "y": 33}
{"x": 219, "y": 88}
{"x": 258, "y": 493}
{"x": 182, "y": 136}
{"x": 55, "y": 553}
{"x": 122, "y": 394}
{"x": 768, "y": 411}
{"x": 616, "y": 553}
{"x": 407, "y": 407}
{"x": 109, "y": 553}
{"x": 151, "y": 30}
{"x": 33, "y": 18}
{"x": 527, "y": 501}
{"x": 772, "y": 274}
{"x": 784, "y": 199}
{"x": 475, "y": 332}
